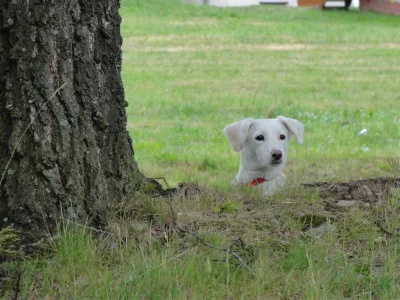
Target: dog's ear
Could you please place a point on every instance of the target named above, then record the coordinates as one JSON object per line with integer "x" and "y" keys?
{"x": 295, "y": 128}
{"x": 236, "y": 133}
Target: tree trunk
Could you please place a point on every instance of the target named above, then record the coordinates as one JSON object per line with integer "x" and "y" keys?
{"x": 76, "y": 158}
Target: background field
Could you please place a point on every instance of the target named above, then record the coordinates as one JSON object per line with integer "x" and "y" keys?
{"x": 188, "y": 71}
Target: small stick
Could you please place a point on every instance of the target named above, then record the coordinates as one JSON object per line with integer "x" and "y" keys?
{"x": 161, "y": 178}
{"x": 17, "y": 284}
{"x": 227, "y": 250}
{"x": 381, "y": 227}
{"x": 202, "y": 241}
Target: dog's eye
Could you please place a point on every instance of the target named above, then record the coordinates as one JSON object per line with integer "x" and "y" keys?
{"x": 259, "y": 137}
{"x": 282, "y": 137}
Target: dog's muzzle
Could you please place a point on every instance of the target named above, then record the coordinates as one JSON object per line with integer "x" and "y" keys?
{"x": 276, "y": 157}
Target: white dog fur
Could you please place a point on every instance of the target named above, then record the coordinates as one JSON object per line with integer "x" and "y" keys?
{"x": 263, "y": 144}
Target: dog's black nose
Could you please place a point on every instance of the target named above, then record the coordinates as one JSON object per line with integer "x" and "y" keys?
{"x": 276, "y": 155}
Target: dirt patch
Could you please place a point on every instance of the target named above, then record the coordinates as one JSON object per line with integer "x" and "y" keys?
{"x": 366, "y": 192}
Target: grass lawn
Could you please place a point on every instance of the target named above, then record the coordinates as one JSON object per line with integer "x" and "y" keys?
{"x": 188, "y": 71}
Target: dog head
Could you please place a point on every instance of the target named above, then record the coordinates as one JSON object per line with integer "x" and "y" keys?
{"x": 263, "y": 142}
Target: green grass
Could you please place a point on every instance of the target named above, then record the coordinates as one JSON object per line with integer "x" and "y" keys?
{"x": 188, "y": 71}
{"x": 132, "y": 260}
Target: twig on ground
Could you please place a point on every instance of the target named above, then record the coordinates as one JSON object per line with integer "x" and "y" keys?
{"x": 26, "y": 129}
{"x": 227, "y": 250}
{"x": 161, "y": 178}
{"x": 386, "y": 231}
{"x": 237, "y": 240}
{"x": 17, "y": 284}
{"x": 203, "y": 242}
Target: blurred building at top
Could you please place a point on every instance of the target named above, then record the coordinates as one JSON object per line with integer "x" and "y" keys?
{"x": 391, "y": 7}
{"x": 382, "y": 6}
{"x": 292, "y": 3}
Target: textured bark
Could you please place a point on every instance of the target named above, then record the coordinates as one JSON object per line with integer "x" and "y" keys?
{"x": 76, "y": 158}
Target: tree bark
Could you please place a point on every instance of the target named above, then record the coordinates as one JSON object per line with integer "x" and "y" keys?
{"x": 76, "y": 158}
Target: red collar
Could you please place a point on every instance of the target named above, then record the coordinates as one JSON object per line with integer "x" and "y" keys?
{"x": 256, "y": 182}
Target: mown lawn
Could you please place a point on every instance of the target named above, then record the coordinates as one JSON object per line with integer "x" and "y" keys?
{"x": 188, "y": 71}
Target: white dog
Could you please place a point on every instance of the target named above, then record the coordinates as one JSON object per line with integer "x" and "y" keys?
{"x": 264, "y": 150}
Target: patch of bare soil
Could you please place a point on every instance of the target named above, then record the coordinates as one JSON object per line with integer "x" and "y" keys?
{"x": 366, "y": 192}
